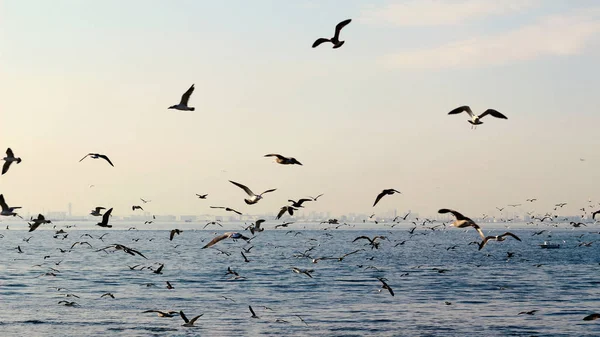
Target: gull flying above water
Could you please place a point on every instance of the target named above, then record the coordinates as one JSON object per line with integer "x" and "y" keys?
{"x": 183, "y": 104}
{"x": 189, "y": 322}
{"x": 501, "y": 237}
{"x": 228, "y": 235}
{"x": 383, "y": 193}
{"x": 9, "y": 159}
{"x": 462, "y": 221}
{"x": 37, "y": 222}
{"x": 8, "y": 211}
{"x": 133, "y": 208}
{"x": 105, "y": 217}
{"x": 227, "y": 209}
{"x": 284, "y": 160}
{"x": 96, "y": 156}
{"x": 336, "y": 38}
{"x": 476, "y": 119}
{"x": 201, "y": 196}
{"x": 254, "y": 198}
{"x": 385, "y": 285}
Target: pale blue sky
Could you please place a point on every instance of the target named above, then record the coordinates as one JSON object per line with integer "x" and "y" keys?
{"x": 97, "y": 76}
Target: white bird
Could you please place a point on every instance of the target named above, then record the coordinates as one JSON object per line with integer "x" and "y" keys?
{"x": 7, "y": 211}
{"x": 475, "y": 119}
{"x": 9, "y": 159}
{"x": 183, "y": 104}
{"x": 254, "y": 198}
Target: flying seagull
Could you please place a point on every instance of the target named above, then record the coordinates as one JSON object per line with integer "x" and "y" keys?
{"x": 594, "y": 214}
{"x": 256, "y": 226}
{"x": 96, "y": 212}
{"x": 228, "y": 235}
{"x": 462, "y": 221}
{"x": 336, "y": 38}
{"x": 9, "y": 159}
{"x": 385, "y": 285}
{"x": 173, "y": 232}
{"x": 284, "y": 209}
{"x": 96, "y": 156}
{"x": 37, "y": 222}
{"x": 299, "y": 202}
{"x": 189, "y": 322}
{"x": 105, "y": 217}
{"x": 383, "y": 193}
{"x": 201, "y": 196}
{"x": 475, "y": 119}
{"x": 133, "y": 208}
{"x": 163, "y": 313}
{"x": 145, "y": 201}
{"x": 183, "y": 104}
{"x": 373, "y": 242}
{"x": 501, "y": 237}
{"x": 254, "y": 198}
{"x": 227, "y": 209}
{"x": 8, "y": 211}
{"x": 284, "y": 160}
{"x": 317, "y": 197}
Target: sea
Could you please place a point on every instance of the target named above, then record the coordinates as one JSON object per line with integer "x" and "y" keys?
{"x": 443, "y": 285}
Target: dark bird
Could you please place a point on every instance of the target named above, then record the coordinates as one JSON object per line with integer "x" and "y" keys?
{"x": 254, "y": 198}
{"x": 169, "y": 285}
{"x": 159, "y": 269}
{"x": 227, "y": 209}
{"x": 501, "y": 237}
{"x": 299, "y": 203}
{"x": 284, "y": 209}
{"x": 531, "y": 200}
{"x": 577, "y": 224}
{"x": 532, "y": 312}
{"x": 96, "y": 211}
{"x": 385, "y": 286}
{"x": 125, "y": 249}
{"x": 284, "y": 160}
{"x": 245, "y": 258}
{"x": 37, "y": 222}
{"x": 232, "y": 235}
{"x": 336, "y": 38}
{"x": 594, "y": 214}
{"x": 252, "y": 311}
{"x": 591, "y": 317}
{"x": 107, "y": 295}
{"x": 6, "y": 210}
{"x": 163, "y": 313}
{"x": 105, "y": 218}
{"x": 462, "y": 221}
{"x": 373, "y": 242}
{"x": 173, "y": 232}
{"x": 303, "y": 271}
{"x": 183, "y": 104}
{"x": 201, "y": 196}
{"x": 145, "y": 201}
{"x": 10, "y": 158}
{"x": 285, "y": 224}
{"x": 96, "y": 156}
{"x": 189, "y": 322}
{"x": 317, "y": 197}
{"x": 384, "y": 193}
{"x": 256, "y": 227}
{"x": 475, "y": 119}
{"x": 133, "y": 208}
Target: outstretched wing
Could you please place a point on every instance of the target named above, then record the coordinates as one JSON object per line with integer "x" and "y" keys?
{"x": 193, "y": 320}
{"x": 246, "y": 189}
{"x": 455, "y": 213}
{"x": 186, "y": 96}
{"x": 185, "y": 319}
{"x": 215, "y": 240}
{"x": 493, "y": 113}
{"x": 106, "y": 158}
{"x": 362, "y": 237}
{"x": 274, "y": 155}
{"x": 267, "y": 191}
{"x": 379, "y": 196}
{"x": 339, "y": 26}
{"x": 281, "y": 212}
{"x": 511, "y": 234}
{"x": 3, "y": 203}
{"x": 89, "y": 154}
{"x": 6, "y": 166}
{"x": 106, "y": 216}
{"x": 319, "y": 41}
{"x": 464, "y": 108}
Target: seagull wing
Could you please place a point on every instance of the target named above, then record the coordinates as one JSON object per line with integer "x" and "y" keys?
{"x": 234, "y": 211}
{"x": 315, "y": 199}
{"x": 193, "y": 320}
{"x": 106, "y": 216}
{"x": 246, "y": 189}
{"x": 99, "y": 208}
{"x": 172, "y": 235}
{"x": 493, "y": 113}
{"x": 464, "y": 108}
{"x": 485, "y": 240}
{"x": 6, "y": 166}
{"x": 511, "y": 234}
{"x": 455, "y": 213}
{"x": 319, "y": 41}
{"x": 3, "y": 203}
{"x": 252, "y": 311}
{"x": 274, "y": 155}
{"x": 379, "y": 196}
{"x": 106, "y": 158}
{"x": 362, "y": 237}
{"x": 186, "y": 96}
{"x": 267, "y": 191}
{"x": 339, "y": 26}
{"x": 281, "y": 212}
{"x": 218, "y": 207}
{"x": 89, "y": 154}
{"x": 216, "y": 239}
{"x": 185, "y": 319}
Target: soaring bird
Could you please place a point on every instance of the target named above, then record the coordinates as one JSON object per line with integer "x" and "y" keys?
{"x": 145, "y": 201}
{"x": 299, "y": 202}
{"x": 385, "y": 285}
{"x": 189, "y": 322}
{"x": 254, "y": 198}
{"x": 9, "y": 159}
{"x": 96, "y": 211}
{"x": 284, "y": 160}
{"x": 462, "y": 221}
{"x": 227, "y": 209}
{"x": 475, "y": 119}
{"x": 336, "y": 38}
{"x": 228, "y": 235}
{"x": 373, "y": 242}
{"x": 37, "y": 222}
{"x": 256, "y": 226}
{"x": 594, "y": 214}
{"x": 133, "y": 208}
{"x": 125, "y": 249}
{"x": 317, "y": 197}
{"x": 201, "y": 196}
{"x": 163, "y": 313}
{"x": 303, "y": 271}
{"x": 592, "y": 317}
{"x": 501, "y": 237}
{"x": 183, "y": 104}
{"x": 105, "y": 217}
{"x": 173, "y": 232}
{"x": 8, "y": 211}
{"x": 284, "y": 209}
{"x": 383, "y": 193}
{"x": 96, "y": 156}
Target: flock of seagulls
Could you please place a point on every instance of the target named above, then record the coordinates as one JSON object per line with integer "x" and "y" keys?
{"x": 252, "y": 198}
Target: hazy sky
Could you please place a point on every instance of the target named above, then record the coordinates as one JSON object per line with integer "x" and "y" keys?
{"x": 98, "y": 76}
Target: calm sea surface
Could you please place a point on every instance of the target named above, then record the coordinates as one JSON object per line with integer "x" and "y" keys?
{"x": 485, "y": 289}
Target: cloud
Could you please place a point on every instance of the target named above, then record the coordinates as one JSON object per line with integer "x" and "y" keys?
{"x": 552, "y": 35}
{"x": 442, "y": 12}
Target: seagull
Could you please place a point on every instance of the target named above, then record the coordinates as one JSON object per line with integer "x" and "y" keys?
{"x": 299, "y": 202}
{"x": 169, "y": 285}
{"x": 159, "y": 269}
{"x": 189, "y": 322}
{"x": 284, "y": 160}
{"x": 201, "y": 196}
{"x": 385, "y": 286}
{"x": 373, "y": 242}
{"x": 227, "y": 209}
{"x": 336, "y": 38}
{"x": 173, "y": 232}
{"x": 107, "y": 295}
{"x": 497, "y": 238}
{"x": 252, "y": 311}
{"x": 256, "y": 227}
{"x": 163, "y": 313}
{"x": 183, "y": 104}
{"x": 254, "y": 198}
{"x": 232, "y": 235}
{"x": 8, "y": 211}
{"x": 96, "y": 156}
{"x": 383, "y": 193}
{"x": 10, "y": 158}
{"x": 303, "y": 271}
{"x": 127, "y": 250}
{"x": 531, "y": 200}
{"x": 462, "y": 221}
{"x": 317, "y": 197}
{"x": 594, "y": 214}
{"x": 96, "y": 212}
{"x": 145, "y": 201}
{"x": 284, "y": 209}
{"x": 133, "y": 208}
{"x": 592, "y": 317}
{"x": 37, "y": 222}
{"x": 476, "y": 120}
{"x": 532, "y": 312}
{"x": 105, "y": 218}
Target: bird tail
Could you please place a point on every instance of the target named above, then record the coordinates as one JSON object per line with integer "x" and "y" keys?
{"x": 192, "y": 109}
{"x": 18, "y": 160}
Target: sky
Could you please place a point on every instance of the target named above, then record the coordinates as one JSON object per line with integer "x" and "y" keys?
{"x": 98, "y": 76}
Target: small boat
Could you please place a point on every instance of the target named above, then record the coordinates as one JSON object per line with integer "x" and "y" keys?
{"x": 547, "y": 245}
